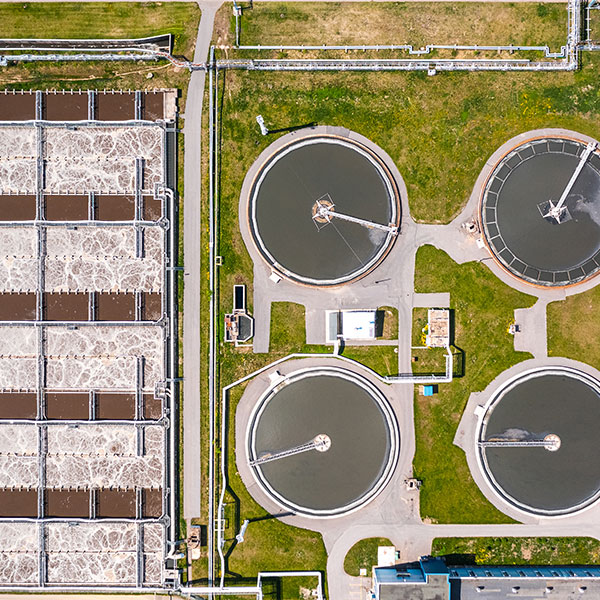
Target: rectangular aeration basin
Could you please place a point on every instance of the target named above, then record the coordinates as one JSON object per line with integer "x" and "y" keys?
{"x": 63, "y": 406}
{"x": 18, "y": 503}
{"x": 18, "y": 405}
{"x": 17, "y": 207}
{"x": 17, "y": 106}
{"x": 18, "y": 307}
{"x": 66, "y": 107}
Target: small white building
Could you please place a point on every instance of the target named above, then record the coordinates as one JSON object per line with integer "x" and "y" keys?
{"x": 350, "y": 324}
{"x": 386, "y": 556}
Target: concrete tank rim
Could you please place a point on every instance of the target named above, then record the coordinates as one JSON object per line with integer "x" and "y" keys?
{"x": 388, "y": 414}
{"x": 392, "y": 175}
{"x": 519, "y": 375}
{"x": 492, "y": 165}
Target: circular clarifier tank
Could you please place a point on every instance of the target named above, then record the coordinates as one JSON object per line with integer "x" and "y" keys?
{"x": 540, "y": 211}
{"x": 538, "y": 441}
{"x": 323, "y": 210}
{"x": 322, "y": 442}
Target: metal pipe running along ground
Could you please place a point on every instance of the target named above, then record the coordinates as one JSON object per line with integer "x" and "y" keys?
{"x": 432, "y": 66}
{"x": 569, "y": 52}
{"x": 411, "y": 379}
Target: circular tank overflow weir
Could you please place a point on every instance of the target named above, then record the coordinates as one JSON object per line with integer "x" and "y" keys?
{"x": 323, "y": 210}
{"x": 322, "y": 442}
{"x": 540, "y": 211}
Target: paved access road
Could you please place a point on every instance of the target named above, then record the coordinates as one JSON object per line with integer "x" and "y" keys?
{"x": 192, "y": 251}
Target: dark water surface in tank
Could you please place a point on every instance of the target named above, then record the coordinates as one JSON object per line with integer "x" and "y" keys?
{"x": 360, "y": 442}
{"x": 287, "y": 194}
{"x": 536, "y": 241}
{"x": 538, "y": 249}
{"x": 536, "y": 477}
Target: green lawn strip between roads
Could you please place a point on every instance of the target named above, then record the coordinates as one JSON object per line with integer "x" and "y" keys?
{"x": 100, "y": 20}
{"x": 518, "y": 550}
{"x": 483, "y": 308}
{"x": 82, "y": 20}
{"x": 363, "y": 555}
{"x": 390, "y": 322}
{"x": 382, "y": 359}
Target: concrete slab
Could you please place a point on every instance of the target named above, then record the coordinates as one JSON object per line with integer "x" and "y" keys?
{"x": 532, "y": 335}
{"x": 440, "y": 300}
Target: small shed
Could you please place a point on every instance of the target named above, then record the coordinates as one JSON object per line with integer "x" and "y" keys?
{"x": 438, "y": 328}
{"x": 358, "y": 324}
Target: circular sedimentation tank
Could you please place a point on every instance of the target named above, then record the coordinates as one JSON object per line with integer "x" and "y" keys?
{"x": 516, "y": 204}
{"x": 294, "y": 233}
{"x": 538, "y": 441}
{"x": 354, "y": 437}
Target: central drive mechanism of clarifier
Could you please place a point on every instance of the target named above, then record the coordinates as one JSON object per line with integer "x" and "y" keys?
{"x": 352, "y": 447}
{"x": 537, "y": 441}
{"x": 320, "y": 443}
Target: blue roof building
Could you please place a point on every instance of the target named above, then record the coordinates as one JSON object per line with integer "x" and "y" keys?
{"x": 431, "y": 579}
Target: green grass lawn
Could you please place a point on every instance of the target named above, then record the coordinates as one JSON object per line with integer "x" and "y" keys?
{"x": 483, "y": 307}
{"x": 574, "y": 327}
{"x": 390, "y": 322}
{"x": 382, "y": 359}
{"x": 102, "y": 20}
{"x": 439, "y": 130}
{"x": 505, "y": 23}
{"x": 288, "y": 327}
{"x": 518, "y": 551}
{"x": 426, "y": 361}
{"x": 419, "y": 326}
{"x": 363, "y": 555}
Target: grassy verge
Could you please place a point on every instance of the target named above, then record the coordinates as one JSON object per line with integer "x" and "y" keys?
{"x": 419, "y": 325}
{"x": 573, "y": 327}
{"x": 518, "y": 551}
{"x": 363, "y": 555}
{"x": 269, "y": 545}
{"x": 288, "y": 329}
{"x": 439, "y": 130}
{"x": 595, "y": 26}
{"x": 400, "y": 23}
{"x": 102, "y": 20}
{"x": 428, "y": 360}
{"x": 382, "y": 359}
{"x": 389, "y": 314}
{"x": 483, "y": 306}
